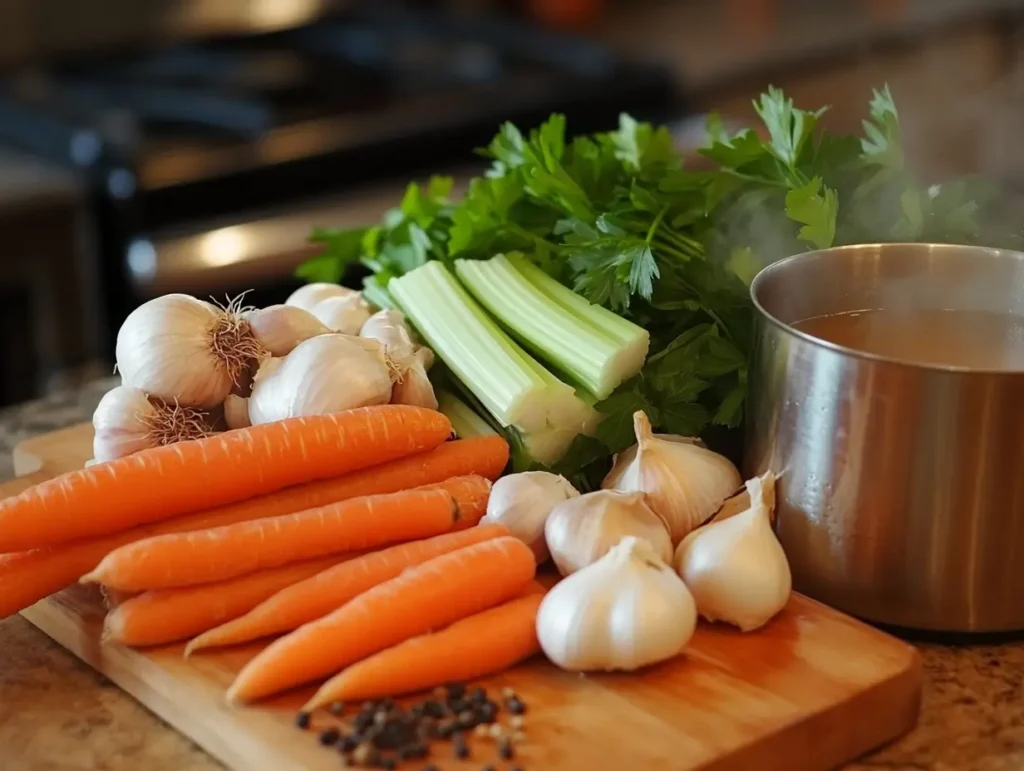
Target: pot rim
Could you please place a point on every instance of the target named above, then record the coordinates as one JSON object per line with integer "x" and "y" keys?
{"x": 765, "y": 273}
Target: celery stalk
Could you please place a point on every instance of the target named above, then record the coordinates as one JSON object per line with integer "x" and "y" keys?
{"x": 465, "y": 422}
{"x": 509, "y": 384}
{"x": 574, "y": 336}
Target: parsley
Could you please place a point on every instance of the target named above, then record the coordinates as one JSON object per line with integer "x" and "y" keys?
{"x": 617, "y": 217}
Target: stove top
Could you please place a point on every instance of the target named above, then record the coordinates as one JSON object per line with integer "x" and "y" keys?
{"x": 149, "y": 122}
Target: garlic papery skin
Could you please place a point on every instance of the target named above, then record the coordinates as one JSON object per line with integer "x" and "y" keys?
{"x": 625, "y": 611}
{"x": 414, "y": 386}
{"x": 307, "y": 297}
{"x": 522, "y": 503}
{"x": 279, "y": 328}
{"x": 325, "y": 374}
{"x": 736, "y": 568}
{"x": 236, "y": 411}
{"x": 126, "y": 421}
{"x": 345, "y": 314}
{"x": 181, "y": 350}
{"x": 581, "y": 530}
{"x": 684, "y": 482}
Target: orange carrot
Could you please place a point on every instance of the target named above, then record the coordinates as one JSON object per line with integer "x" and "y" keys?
{"x": 428, "y": 596}
{"x": 204, "y": 556}
{"x": 479, "y": 645}
{"x": 471, "y": 493}
{"x": 167, "y": 615}
{"x": 189, "y": 476}
{"x": 41, "y": 572}
{"x": 324, "y": 593}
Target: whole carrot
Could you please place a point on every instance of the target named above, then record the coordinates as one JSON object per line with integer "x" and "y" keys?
{"x": 188, "y": 476}
{"x": 167, "y": 615}
{"x": 201, "y": 557}
{"x": 325, "y": 592}
{"x": 429, "y": 596}
{"x": 41, "y": 572}
{"x": 482, "y": 644}
{"x": 471, "y": 493}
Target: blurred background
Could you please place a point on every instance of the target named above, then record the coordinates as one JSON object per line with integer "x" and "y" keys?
{"x": 153, "y": 146}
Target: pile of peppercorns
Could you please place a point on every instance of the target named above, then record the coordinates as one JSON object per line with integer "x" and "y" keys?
{"x": 384, "y": 735}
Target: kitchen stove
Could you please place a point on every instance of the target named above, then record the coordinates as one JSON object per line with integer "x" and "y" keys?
{"x": 207, "y": 161}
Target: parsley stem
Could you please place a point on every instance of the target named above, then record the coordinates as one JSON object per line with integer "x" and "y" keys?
{"x": 654, "y": 225}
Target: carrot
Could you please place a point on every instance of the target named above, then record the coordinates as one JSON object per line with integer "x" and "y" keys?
{"x": 189, "y": 476}
{"x": 41, "y": 572}
{"x": 478, "y": 645}
{"x": 471, "y": 493}
{"x": 204, "y": 556}
{"x": 428, "y": 596}
{"x": 167, "y": 615}
{"x": 325, "y": 592}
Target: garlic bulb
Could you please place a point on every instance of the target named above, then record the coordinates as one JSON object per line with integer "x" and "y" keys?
{"x": 127, "y": 421}
{"x": 181, "y": 350}
{"x": 685, "y": 483}
{"x": 280, "y": 328}
{"x": 522, "y": 502}
{"x": 625, "y": 611}
{"x": 328, "y": 373}
{"x": 740, "y": 502}
{"x": 415, "y": 387}
{"x": 345, "y": 314}
{"x": 581, "y": 530}
{"x": 736, "y": 568}
{"x": 236, "y": 411}
{"x": 307, "y": 297}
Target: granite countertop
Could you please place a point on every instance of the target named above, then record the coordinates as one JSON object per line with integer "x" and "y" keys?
{"x": 57, "y": 714}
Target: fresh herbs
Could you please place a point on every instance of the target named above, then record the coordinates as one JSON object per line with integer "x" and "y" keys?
{"x": 617, "y": 217}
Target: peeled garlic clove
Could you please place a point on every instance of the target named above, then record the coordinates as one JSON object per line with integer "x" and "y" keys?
{"x": 736, "y": 568}
{"x": 581, "y": 530}
{"x": 307, "y": 297}
{"x": 625, "y": 611}
{"x": 522, "y": 503}
{"x": 280, "y": 328}
{"x": 684, "y": 482}
{"x": 182, "y": 350}
{"x": 344, "y": 314}
{"x": 236, "y": 412}
{"x": 127, "y": 421}
{"x": 325, "y": 374}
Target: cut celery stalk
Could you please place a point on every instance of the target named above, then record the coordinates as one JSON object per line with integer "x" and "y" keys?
{"x": 625, "y": 332}
{"x": 464, "y": 419}
{"x": 597, "y": 359}
{"x": 510, "y": 385}
{"x": 375, "y": 294}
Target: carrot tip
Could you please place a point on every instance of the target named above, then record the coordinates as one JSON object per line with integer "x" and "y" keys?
{"x": 92, "y": 577}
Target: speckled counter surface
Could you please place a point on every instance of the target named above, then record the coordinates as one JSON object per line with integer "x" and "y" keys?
{"x": 56, "y": 714}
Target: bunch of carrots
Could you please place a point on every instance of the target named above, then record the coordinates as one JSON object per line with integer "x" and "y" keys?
{"x": 349, "y": 537}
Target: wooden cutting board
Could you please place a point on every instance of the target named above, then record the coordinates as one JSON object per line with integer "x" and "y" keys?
{"x": 811, "y": 691}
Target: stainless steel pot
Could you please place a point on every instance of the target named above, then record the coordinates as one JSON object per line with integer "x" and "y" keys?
{"x": 901, "y": 495}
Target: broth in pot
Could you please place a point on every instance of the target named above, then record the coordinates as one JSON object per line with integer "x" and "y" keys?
{"x": 968, "y": 339}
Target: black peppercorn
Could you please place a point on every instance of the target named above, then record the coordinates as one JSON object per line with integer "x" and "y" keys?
{"x": 478, "y": 695}
{"x": 348, "y": 743}
{"x": 329, "y": 736}
{"x": 515, "y": 706}
{"x": 456, "y": 690}
{"x": 505, "y": 748}
{"x": 411, "y": 751}
{"x": 433, "y": 709}
{"x": 486, "y": 713}
{"x": 302, "y": 720}
{"x": 459, "y": 744}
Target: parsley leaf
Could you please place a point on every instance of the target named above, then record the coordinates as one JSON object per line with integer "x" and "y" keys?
{"x": 815, "y": 207}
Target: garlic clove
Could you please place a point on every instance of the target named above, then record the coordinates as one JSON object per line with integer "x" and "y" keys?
{"x": 736, "y": 568}
{"x": 345, "y": 314}
{"x": 306, "y": 297}
{"x": 415, "y": 387}
{"x": 581, "y": 530}
{"x": 522, "y": 502}
{"x": 685, "y": 483}
{"x": 740, "y": 502}
{"x": 182, "y": 350}
{"x": 236, "y": 412}
{"x": 279, "y": 328}
{"x": 624, "y": 611}
{"x": 328, "y": 373}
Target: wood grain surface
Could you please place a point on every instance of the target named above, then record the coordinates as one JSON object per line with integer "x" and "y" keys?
{"x": 811, "y": 691}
